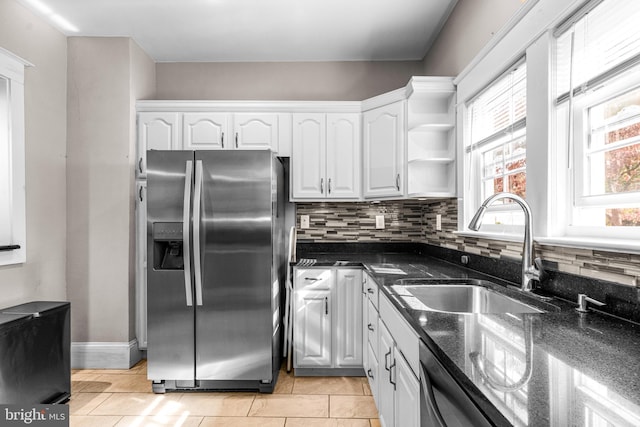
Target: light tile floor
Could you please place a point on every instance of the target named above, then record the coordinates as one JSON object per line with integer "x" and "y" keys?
{"x": 124, "y": 398}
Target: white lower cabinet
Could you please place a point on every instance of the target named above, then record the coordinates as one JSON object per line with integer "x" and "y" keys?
{"x": 385, "y": 386}
{"x": 327, "y": 318}
{"x": 313, "y": 326}
{"x": 393, "y": 381}
{"x": 348, "y": 316}
{"x": 406, "y": 394}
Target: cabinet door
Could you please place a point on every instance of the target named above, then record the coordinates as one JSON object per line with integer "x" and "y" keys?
{"x": 407, "y": 396}
{"x": 384, "y": 159}
{"x": 385, "y": 386}
{"x": 348, "y": 316}
{"x": 156, "y": 131}
{"x": 255, "y": 131}
{"x": 313, "y": 328}
{"x": 308, "y": 155}
{"x": 343, "y": 156}
{"x": 205, "y": 131}
{"x": 141, "y": 264}
{"x": 312, "y": 317}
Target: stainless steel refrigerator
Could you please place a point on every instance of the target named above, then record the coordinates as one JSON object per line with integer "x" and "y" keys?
{"x": 216, "y": 265}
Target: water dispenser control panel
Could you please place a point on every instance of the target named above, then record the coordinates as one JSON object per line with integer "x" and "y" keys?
{"x": 167, "y": 231}
{"x": 168, "y": 246}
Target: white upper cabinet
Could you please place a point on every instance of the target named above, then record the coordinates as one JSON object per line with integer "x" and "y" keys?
{"x": 213, "y": 125}
{"x": 308, "y": 155}
{"x": 206, "y": 131}
{"x": 214, "y": 131}
{"x": 156, "y": 131}
{"x": 343, "y": 155}
{"x": 326, "y": 156}
{"x": 255, "y": 131}
{"x": 384, "y": 154}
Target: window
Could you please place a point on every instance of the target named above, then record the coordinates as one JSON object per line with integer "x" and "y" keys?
{"x": 598, "y": 79}
{"x": 496, "y": 146}
{"x": 12, "y": 181}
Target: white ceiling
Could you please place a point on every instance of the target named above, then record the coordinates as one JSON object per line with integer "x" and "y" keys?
{"x": 260, "y": 30}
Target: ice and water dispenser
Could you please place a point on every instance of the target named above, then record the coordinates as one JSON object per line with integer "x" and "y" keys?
{"x": 167, "y": 246}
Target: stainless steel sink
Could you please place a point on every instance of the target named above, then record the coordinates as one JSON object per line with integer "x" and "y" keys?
{"x": 463, "y": 298}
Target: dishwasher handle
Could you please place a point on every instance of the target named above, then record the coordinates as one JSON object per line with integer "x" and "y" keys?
{"x": 444, "y": 402}
{"x": 430, "y": 399}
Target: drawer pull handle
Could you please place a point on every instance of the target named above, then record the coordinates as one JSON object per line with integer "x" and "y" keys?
{"x": 370, "y": 327}
{"x": 370, "y": 290}
{"x": 311, "y": 279}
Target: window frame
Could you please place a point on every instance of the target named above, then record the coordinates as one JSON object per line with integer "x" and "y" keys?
{"x": 578, "y": 200}
{"x": 531, "y": 33}
{"x": 12, "y": 68}
{"x": 473, "y": 175}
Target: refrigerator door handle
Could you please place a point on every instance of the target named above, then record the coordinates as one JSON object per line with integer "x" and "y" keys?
{"x": 186, "y": 219}
{"x": 197, "y": 199}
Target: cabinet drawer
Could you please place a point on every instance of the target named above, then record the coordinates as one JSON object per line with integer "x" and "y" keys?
{"x": 370, "y": 288}
{"x": 403, "y": 334}
{"x": 372, "y": 327}
{"x": 313, "y": 278}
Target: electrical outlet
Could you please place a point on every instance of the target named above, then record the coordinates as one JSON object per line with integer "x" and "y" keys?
{"x": 438, "y": 222}
{"x": 379, "y": 222}
{"x": 304, "y": 221}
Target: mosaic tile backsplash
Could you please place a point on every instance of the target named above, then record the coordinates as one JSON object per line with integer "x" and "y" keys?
{"x": 415, "y": 221}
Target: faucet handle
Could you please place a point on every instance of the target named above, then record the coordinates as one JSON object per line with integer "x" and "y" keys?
{"x": 583, "y": 301}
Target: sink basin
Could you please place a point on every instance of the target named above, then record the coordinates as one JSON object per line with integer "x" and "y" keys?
{"x": 461, "y": 299}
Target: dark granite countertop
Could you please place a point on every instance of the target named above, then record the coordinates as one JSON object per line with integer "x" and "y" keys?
{"x": 582, "y": 367}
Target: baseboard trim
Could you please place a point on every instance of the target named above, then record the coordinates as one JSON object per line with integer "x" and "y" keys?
{"x": 105, "y": 355}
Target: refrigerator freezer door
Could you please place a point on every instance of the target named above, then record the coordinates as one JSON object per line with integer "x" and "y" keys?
{"x": 169, "y": 294}
{"x": 234, "y": 325}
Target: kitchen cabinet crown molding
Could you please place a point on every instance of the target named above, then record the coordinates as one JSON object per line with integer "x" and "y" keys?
{"x": 385, "y": 99}
{"x": 249, "y": 106}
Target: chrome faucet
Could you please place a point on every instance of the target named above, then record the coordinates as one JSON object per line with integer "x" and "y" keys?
{"x": 531, "y": 268}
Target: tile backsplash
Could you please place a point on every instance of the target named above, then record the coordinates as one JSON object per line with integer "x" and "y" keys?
{"x": 356, "y": 222}
{"x": 415, "y": 221}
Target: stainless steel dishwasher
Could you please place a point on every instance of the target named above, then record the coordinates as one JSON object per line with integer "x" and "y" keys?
{"x": 443, "y": 402}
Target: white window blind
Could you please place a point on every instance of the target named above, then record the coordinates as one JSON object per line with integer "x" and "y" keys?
{"x": 496, "y": 146}
{"x": 600, "y": 41}
{"x": 501, "y": 108}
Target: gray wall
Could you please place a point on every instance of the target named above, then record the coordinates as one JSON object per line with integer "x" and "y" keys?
{"x": 470, "y": 26}
{"x": 42, "y": 277}
{"x": 104, "y": 74}
{"x": 317, "y": 81}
